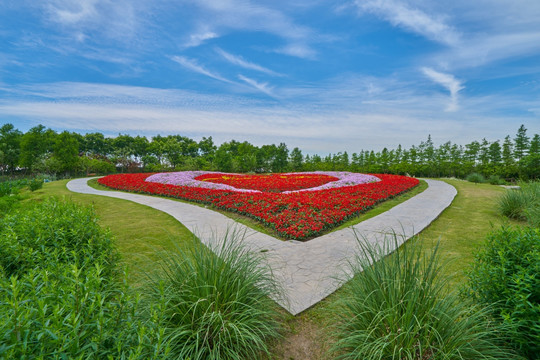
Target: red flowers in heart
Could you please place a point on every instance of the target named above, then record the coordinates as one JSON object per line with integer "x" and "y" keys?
{"x": 298, "y": 215}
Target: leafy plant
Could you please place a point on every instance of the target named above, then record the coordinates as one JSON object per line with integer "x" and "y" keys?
{"x": 35, "y": 184}
{"x": 398, "y": 308}
{"x": 506, "y": 275}
{"x": 53, "y": 230}
{"x": 476, "y": 178}
{"x": 11, "y": 187}
{"x": 59, "y": 295}
{"x": 217, "y": 307}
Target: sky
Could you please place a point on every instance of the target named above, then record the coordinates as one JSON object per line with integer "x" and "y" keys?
{"x": 321, "y": 75}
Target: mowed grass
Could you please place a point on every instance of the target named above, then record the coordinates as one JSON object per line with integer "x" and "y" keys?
{"x": 463, "y": 226}
{"x": 140, "y": 230}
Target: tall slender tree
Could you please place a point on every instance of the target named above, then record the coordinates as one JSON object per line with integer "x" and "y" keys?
{"x": 521, "y": 142}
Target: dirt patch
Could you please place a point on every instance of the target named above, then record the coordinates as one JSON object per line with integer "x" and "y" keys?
{"x": 303, "y": 339}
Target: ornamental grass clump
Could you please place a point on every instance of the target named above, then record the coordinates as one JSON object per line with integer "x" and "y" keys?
{"x": 398, "y": 307}
{"x": 217, "y": 307}
{"x": 522, "y": 203}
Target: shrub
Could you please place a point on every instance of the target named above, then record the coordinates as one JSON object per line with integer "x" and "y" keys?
{"x": 398, "y": 308}
{"x": 58, "y": 298}
{"x": 217, "y": 307}
{"x": 11, "y": 187}
{"x": 496, "y": 180}
{"x": 506, "y": 275}
{"x": 476, "y": 178}
{"x": 53, "y": 230}
{"x": 67, "y": 312}
{"x": 35, "y": 184}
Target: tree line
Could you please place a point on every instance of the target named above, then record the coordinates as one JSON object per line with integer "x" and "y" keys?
{"x": 43, "y": 150}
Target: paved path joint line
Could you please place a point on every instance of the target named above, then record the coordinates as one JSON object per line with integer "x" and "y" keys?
{"x": 307, "y": 271}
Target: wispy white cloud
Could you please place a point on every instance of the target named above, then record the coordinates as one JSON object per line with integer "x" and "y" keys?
{"x": 85, "y": 19}
{"x": 200, "y": 37}
{"x": 193, "y": 65}
{"x": 70, "y": 12}
{"x": 482, "y": 49}
{"x": 412, "y": 19}
{"x": 240, "y": 61}
{"x": 452, "y": 84}
{"x": 252, "y": 16}
{"x": 395, "y": 114}
{"x": 298, "y": 50}
{"x": 262, "y": 87}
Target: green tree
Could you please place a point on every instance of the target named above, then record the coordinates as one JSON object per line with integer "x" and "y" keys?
{"x": 521, "y": 142}
{"x": 495, "y": 153}
{"x": 66, "y": 152}
{"x": 223, "y": 159}
{"x": 508, "y": 151}
{"x": 279, "y": 164}
{"x": 123, "y": 151}
{"x": 95, "y": 144}
{"x": 535, "y": 145}
{"x": 140, "y": 147}
{"x": 296, "y": 160}
{"x": 10, "y": 148}
{"x": 207, "y": 149}
{"x": 35, "y": 144}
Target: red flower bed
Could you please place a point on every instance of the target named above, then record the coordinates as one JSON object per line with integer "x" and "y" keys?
{"x": 269, "y": 183}
{"x": 299, "y": 215}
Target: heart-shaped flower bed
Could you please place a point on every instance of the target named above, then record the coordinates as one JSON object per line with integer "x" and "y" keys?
{"x": 317, "y": 203}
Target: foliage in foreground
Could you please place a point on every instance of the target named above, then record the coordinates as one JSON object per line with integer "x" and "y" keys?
{"x": 59, "y": 298}
{"x": 217, "y": 307}
{"x": 506, "y": 275}
{"x": 522, "y": 203}
{"x": 398, "y": 308}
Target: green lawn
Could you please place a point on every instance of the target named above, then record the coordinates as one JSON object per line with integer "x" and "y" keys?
{"x": 140, "y": 231}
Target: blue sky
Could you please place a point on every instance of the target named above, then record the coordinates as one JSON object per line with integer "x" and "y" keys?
{"x": 325, "y": 76}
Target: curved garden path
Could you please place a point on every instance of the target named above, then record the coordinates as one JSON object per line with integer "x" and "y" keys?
{"x": 312, "y": 270}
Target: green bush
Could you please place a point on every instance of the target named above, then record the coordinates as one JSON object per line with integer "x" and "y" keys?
{"x": 476, "y": 178}
{"x": 496, "y": 180}
{"x": 217, "y": 307}
{"x": 35, "y": 184}
{"x": 398, "y": 308}
{"x": 506, "y": 275}
{"x": 101, "y": 167}
{"x": 11, "y": 187}
{"x": 63, "y": 232}
{"x": 67, "y": 312}
{"x": 58, "y": 296}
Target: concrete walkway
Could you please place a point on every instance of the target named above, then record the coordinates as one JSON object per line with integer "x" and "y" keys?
{"x": 312, "y": 270}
